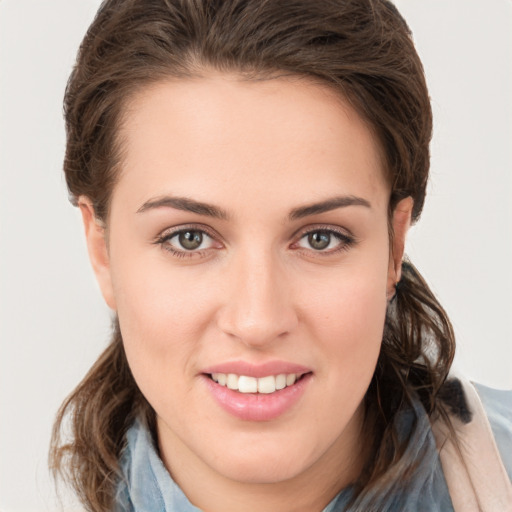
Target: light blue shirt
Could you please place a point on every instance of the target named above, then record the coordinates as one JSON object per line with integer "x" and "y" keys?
{"x": 148, "y": 487}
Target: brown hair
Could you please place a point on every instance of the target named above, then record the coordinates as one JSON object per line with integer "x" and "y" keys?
{"x": 363, "y": 49}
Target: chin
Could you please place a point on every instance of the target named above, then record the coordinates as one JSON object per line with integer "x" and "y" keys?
{"x": 264, "y": 463}
{"x": 262, "y": 471}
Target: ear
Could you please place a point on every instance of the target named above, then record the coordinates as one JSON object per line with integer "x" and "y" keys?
{"x": 401, "y": 223}
{"x": 95, "y": 234}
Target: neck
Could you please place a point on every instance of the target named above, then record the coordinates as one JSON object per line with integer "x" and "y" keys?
{"x": 311, "y": 490}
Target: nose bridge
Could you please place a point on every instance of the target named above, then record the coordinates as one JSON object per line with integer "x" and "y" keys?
{"x": 257, "y": 309}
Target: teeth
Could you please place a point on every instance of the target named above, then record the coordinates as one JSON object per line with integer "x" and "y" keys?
{"x": 245, "y": 384}
{"x": 232, "y": 381}
{"x": 281, "y": 381}
{"x": 266, "y": 384}
{"x": 290, "y": 379}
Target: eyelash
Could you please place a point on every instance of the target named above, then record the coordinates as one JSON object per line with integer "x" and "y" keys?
{"x": 168, "y": 235}
{"x": 346, "y": 241}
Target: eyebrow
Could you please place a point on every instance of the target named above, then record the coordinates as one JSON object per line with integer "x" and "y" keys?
{"x": 328, "y": 205}
{"x": 185, "y": 204}
{"x": 191, "y": 205}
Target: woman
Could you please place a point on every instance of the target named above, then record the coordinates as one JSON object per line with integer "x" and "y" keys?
{"x": 247, "y": 173}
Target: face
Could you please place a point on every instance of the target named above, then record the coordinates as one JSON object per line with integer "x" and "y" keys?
{"x": 248, "y": 248}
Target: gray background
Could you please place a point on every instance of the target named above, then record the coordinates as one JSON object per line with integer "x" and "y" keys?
{"x": 53, "y": 323}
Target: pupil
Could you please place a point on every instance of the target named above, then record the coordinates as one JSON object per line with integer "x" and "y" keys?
{"x": 319, "y": 240}
{"x": 191, "y": 239}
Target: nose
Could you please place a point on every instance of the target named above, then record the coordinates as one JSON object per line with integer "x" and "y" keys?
{"x": 258, "y": 307}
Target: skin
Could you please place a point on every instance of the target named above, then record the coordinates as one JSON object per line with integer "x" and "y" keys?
{"x": 256, "y": 290}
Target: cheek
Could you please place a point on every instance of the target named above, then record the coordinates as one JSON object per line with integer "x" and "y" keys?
{"x": 153, "y": 295}
{"x": 163, "y": 316}
{"x": 347, "y": 320}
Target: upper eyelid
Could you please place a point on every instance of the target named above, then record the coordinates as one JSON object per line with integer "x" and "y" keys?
{"x": 172, "y": 231}
{"x": 344, "y": 232}
{"x": 163, "y": 240}
{"x": 342, "y": 238}
{"x": 297, "y": 234}
{"x": 345, "y": 242}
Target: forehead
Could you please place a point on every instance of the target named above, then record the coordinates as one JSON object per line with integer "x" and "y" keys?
{"x": 205, "y": 135}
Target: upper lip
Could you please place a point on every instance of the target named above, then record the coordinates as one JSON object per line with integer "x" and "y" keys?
{"x": 257, "y": 370}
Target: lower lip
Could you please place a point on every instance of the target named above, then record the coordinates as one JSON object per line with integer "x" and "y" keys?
{"x": 257, "y": 406}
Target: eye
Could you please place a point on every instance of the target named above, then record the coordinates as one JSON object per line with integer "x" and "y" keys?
{"x": 325, "y": 240}
{"x": 187, "y": 242}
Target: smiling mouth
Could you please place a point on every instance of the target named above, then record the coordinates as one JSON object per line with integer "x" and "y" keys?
{"x": 266, "y": 385}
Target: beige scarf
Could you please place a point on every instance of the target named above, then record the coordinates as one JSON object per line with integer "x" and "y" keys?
{"x": 478, "y": 482}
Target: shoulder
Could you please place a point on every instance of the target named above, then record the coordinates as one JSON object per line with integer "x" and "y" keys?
{"x": 498, "y": 406}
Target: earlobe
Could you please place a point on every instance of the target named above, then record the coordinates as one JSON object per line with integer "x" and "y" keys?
{"x": 401, "y": 223}
{"x": 98, "y": 251}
